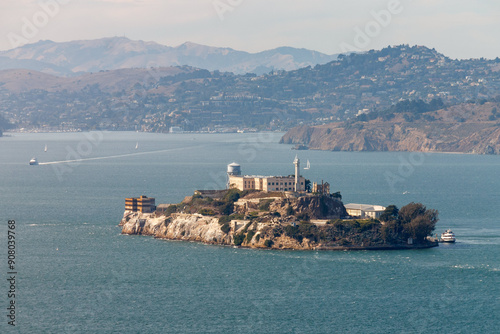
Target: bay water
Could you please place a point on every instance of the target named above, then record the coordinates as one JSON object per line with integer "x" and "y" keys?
{"x": 77, "y": 274}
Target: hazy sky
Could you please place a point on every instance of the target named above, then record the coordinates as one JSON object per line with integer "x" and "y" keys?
{"x": 457, "y": 28}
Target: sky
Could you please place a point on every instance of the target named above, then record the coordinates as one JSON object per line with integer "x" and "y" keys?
{"x": 457, "y": 28}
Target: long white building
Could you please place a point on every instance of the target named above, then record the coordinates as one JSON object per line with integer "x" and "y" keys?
{"x": 364, "y": 210}
{"x": 294, "y": 182}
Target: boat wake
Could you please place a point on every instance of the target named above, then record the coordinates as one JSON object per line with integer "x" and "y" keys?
{"x": 118, "y": 156}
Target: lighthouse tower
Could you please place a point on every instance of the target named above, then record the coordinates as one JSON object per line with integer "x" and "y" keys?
{"x": 296, "y": 162}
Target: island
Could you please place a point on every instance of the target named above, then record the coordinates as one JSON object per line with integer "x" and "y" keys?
{"x": 280, "y": 212}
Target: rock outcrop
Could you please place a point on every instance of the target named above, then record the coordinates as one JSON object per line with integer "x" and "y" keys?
{"x": 195, "y": 227}
{"x": 262, "y": 231}
{"x": 461, "y": 129}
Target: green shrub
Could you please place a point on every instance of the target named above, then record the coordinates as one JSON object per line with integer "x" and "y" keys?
{"x": 247, "y": 225}
{"x": 206, "y": 212}
{"x": 257, "y": 237}
{"x": 293, "y": 232}
{"x": 238, "y": 239}
{"x": 268, "y": 243}
{"x": 232, "y": 196}
{"x": 224, "y": 219}
{"x": 227, "y": 208}
{"x": 225, "y": 228}
{"x": 249, "y": 236}
{"x": 171, "y": 209}
{"x": 237, "y": 216}
{"x": 337, "y": 195}
{"x": 289, "y": 211}
{"x": 264, "y": 204}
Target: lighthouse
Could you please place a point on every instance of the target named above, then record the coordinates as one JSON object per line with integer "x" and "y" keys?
{"x": 296, "y": 162}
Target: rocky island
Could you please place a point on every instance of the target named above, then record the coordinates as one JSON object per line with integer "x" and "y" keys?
{"x": 301, "y": 217}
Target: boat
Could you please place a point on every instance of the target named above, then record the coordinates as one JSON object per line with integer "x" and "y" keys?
{"x": 137, "y": 145}
{"x": 33, "y": 162}
{"x": 308, "y": 165}
{"x": 45, "y": 150}
{"x": 447, "y": 236}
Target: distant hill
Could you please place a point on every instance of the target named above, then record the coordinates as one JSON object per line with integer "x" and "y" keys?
{"x": 463, "y": 128}
{"x": 76, "y": 57}
{"x": 154, "y": 99}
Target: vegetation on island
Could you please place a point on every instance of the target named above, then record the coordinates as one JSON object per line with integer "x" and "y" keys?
{"x": 268, "y": 220}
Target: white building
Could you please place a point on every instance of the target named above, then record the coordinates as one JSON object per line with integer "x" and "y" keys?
{"x": 364, "y": 210}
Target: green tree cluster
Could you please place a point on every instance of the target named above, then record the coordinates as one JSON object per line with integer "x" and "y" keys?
{"x": 413, "y": 220}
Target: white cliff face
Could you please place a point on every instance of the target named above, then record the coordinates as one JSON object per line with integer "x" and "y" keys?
{"x": 195, "y": 227}
{"x": 192, "y": 227}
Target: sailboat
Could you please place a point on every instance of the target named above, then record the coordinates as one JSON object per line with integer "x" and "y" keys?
{"x": 136, "y": 145}
{"x": 308, "y": 165}
{"x": 45, "y": 150}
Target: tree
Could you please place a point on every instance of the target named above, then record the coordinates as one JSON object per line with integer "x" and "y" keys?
{"x": 390, "y": 213}
{"x": 411, "y": 211}
{"x": 417, "y": 221}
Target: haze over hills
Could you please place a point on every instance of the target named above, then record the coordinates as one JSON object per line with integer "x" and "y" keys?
{"x": 351, "y": 87}
{"x": 76, "y": 57}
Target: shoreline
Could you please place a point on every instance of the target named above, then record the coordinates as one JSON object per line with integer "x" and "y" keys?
{"x": 207, "y": 230}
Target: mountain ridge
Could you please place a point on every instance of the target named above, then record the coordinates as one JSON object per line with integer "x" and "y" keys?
{"x": 76, "y": 57}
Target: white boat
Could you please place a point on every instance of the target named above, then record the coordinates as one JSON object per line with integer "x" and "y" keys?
{"x": 137, "y": 145}
{"x": 45, "y": 150}
{"x": 308, "y": 165}
{"x": 33, "y": 162}
{"x": 447, "y": 236}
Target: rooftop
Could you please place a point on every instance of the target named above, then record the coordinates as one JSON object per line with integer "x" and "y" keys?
{"x": 364, "y": 207}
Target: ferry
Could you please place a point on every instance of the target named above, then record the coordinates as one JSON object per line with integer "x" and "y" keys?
{"x": 447, "y": 236}
{"x": 33, "y": 162}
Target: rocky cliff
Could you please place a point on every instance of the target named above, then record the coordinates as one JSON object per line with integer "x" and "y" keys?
{"x": 466, "y": 128}
{"x": 195, "y": 227}
{"x": 255, "y": 229}
{"x": 264, "y": 220}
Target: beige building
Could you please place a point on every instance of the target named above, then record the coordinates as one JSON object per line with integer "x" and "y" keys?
{"x": 266, "y": 183}
{"x": 142, "y": 204}
{"x": 364, "y": 210}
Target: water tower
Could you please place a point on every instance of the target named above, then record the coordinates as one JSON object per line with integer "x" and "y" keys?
{"x": 233, "y": 169}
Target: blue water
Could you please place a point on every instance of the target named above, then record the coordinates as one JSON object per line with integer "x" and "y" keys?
{"x": 78, "y": 274}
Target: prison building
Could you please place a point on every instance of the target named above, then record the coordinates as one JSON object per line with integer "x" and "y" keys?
{"x": 142, "y": 204}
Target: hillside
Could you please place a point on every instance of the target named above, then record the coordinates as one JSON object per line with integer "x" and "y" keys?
{"x": 464, "y": 128}
{"x": 197, "y": 99}
{"x": 77, "y": 57}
